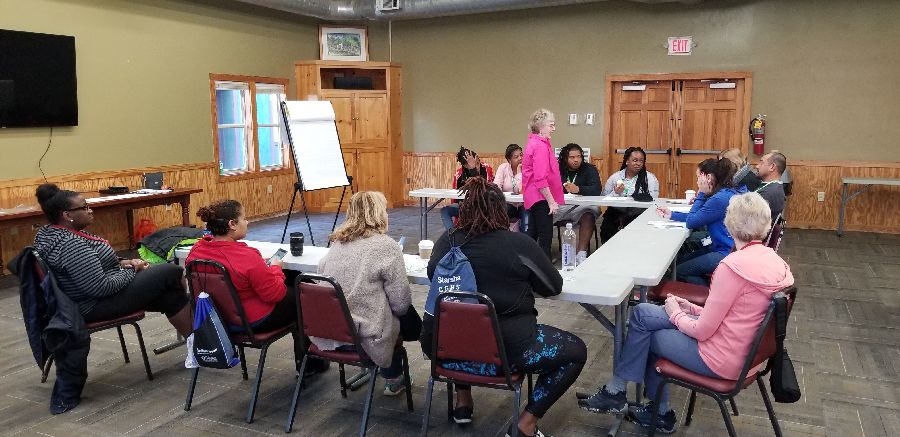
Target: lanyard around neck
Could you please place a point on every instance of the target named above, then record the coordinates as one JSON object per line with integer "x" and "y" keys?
{"x": 764, "y": 186}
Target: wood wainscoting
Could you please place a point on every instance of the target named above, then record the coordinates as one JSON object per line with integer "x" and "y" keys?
{"x": 873, "y": 211}
{"x": 252, "y": 193}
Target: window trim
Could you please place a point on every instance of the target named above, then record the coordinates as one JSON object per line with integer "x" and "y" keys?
{"x": 255, "y": 171}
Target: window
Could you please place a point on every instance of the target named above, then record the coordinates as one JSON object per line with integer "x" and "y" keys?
{"x": 247, "y": 124}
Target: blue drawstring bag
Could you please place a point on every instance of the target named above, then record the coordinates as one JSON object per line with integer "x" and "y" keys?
{"x": 212, "y": 346}
{"x": 452, "y": 273}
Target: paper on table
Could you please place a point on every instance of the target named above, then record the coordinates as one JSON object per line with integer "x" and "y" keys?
{"x": 666, "y": 224}
{"x": 680, "y": 208}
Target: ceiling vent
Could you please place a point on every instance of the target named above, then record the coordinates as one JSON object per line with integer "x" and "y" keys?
{"x": 387, "y": 5}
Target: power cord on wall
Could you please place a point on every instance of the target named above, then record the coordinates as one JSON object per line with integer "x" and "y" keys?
{"x": 49, "y": 143}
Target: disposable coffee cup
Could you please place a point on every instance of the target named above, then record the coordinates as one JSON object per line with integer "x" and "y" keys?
{"x": 425, "y": 247}
{"x": 689, "y": 194}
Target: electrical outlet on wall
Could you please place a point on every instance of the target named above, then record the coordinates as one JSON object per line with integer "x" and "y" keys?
{"x": 589, "y": 119}
{"x": 821, "y": 196}
{"x": 269, "y": 189}
{"x": 168, "y": 207}
{"x": 573, "y": 119}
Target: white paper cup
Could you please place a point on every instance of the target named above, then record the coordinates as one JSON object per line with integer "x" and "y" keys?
{"x": 425, "y": 247}
{"x": 689, "y": 194}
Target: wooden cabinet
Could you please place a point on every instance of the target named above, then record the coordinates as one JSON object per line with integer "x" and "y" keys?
{"x": 368, "y": 124}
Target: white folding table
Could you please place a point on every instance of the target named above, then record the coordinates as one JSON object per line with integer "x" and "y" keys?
{"x": 846, "y": 196}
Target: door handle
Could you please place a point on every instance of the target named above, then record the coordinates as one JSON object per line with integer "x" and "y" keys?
{"x": 697, "y": 152}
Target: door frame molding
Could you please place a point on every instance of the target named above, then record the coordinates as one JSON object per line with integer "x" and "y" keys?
{"x": 645, "y": 77}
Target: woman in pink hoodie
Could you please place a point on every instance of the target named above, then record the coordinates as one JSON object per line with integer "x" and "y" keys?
{"x": 713, "y": 340}
{"x": 542, "y": 186}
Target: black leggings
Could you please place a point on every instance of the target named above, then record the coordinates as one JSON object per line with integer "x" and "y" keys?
{"x": 556, "y": 356}
{"x": 541, "y": 226}
{"x": 158, "y": 288}
{"x": 614, "y": 218}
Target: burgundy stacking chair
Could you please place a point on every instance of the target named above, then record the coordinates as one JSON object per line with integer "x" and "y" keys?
{"x": 776, "y": 233}
{"x": 212, "y": 277}
{"x": 322, "y": 312}
{"x": 130, "y": 319}
{"x": 761, "y": 350}
{"x": 467, "y": 331}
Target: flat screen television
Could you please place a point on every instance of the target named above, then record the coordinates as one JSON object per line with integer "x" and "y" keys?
{"x": 38, "y": 86}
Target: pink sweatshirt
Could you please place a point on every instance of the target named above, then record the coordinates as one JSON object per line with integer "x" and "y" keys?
{"x": 540, "y": 169}
{"x": 742, "y": 287}
{"x": 507, "y": 180}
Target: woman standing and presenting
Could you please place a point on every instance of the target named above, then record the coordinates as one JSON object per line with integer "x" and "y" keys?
{"x": 542, "y": 186}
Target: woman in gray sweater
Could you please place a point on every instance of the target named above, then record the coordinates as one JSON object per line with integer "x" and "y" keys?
{"x": 369, "y": 266}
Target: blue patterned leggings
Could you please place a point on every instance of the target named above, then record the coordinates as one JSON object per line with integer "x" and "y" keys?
{"x": 556, "y": 357}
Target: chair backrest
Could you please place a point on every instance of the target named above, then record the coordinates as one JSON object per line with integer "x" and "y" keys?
{"x": 775, "y": 234}
{"x": 322, "y": 310}
{"x": 468, "y": 331}
{"x": 211, "y": 277}
{"x": 764, "y": 346}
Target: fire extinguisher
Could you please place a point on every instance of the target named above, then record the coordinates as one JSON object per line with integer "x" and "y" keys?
{"x": 758, "y": 134}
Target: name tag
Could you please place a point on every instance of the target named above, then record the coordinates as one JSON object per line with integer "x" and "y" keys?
{"x": 706, "y": 241}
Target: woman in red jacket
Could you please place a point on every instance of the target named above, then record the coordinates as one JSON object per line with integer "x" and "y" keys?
{"x": 268, "y": 302}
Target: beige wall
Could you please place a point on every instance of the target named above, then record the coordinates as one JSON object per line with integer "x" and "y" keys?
{"x": 827, "y": 73}
{"x": 143, "y": 78}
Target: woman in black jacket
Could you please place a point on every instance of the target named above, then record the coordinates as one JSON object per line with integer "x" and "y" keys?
{"x": 508, "y": 267}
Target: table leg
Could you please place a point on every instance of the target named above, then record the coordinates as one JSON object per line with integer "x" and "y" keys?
{"x": 844, "y": 200}
{"x": 179, "y": 341}
{"x": 423, "y": 220}
{"x": 674, "y": 268}
{"x": 186, "y": 211}
{"x": 129, "y": 219}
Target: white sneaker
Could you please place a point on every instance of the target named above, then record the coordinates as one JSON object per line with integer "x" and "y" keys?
{"x": 580, "y": 257}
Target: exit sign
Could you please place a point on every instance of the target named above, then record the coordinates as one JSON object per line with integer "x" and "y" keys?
{"x": 680, "y": 45}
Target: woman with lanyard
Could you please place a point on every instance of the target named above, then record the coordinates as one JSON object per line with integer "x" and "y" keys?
{"x": 583, "y": 179}
{"x": 632, "y": 177}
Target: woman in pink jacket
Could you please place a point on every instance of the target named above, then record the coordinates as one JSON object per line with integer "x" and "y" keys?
{"x": 542, "y": 187}
{"x": 713, "y": 340}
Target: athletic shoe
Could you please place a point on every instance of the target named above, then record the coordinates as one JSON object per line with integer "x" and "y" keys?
{"x": 537, "y": 432}
{"x": 314, "y": 366}
{"x": 462, "y": 415}
{"x": 645, "y": 415}
{"x": 605, "y": 402}
{"x": 394, "y": 386}
{"x": 580, "y": 257}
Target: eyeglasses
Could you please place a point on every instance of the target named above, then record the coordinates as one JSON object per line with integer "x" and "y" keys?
{"x": 85, "y": 207}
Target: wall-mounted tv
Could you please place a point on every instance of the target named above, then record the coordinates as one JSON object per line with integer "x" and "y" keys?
{"x": 38, "y": 86}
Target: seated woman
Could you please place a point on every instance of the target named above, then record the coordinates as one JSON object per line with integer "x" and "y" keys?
{"x": 714, "y": 190}
{"x": 268, "y": 302}
{"x": 369, "y": 266}
{"x": 88, "y": 271}
{"x": 470, "y": 165}
{"x": 509, "y": 179}
{"x": 580, "y": 178}
{"x": 102, "y": 286}
{"x": 713, "y": 340}
{"x": 500, "y": 261}
{"x": 632, "y": 178}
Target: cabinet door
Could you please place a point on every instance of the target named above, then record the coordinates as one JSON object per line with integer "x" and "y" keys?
{"x": 371, "y": 117}
{"x": 371, "y": 171}
{"x": 343, "y": 116}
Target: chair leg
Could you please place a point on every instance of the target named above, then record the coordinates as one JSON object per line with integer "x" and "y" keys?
{"x": 516, "y": 405}
{"x": 140, "y": 336}
{"x": 690, "y": 410}
{"x": 292, "y": 413}
{"x": 243, "y": 362}
{"x": 343, "y": 381}
{"x": 190, "y": 394}
{"x": 651, "y": 431}
{"x": 769, "y": 409}
{"x": 122, "y": 342}
{"x": 450, "y": 402}
{"x": 259, "y": 372}
{"x": 733, "y": 406}
{"x": 409, "y": 398}
{"x": 726, "y": 416}
{"x": 45, "y": 372}
{"x": 427, "y": 414}
{"x": 365, "y": 419}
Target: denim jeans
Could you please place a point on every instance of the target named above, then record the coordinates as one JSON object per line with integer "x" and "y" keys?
{"x": 447, "y": 214}
{"x": 696, "y": 267}
{"x": 652, "y": 336}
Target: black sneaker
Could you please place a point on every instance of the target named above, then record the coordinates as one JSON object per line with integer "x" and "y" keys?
{"x": 605, "y": 402}
{"x": 462, "y": 415}
{"x": 537, "y": 432}
{"x": 647, "y": 416}
{"x": 315, "y": 366}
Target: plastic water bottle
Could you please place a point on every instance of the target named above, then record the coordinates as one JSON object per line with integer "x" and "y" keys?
{"x": 569, "y": 241}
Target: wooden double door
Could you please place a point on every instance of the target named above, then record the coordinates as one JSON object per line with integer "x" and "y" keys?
{"x": 679, "y": 120}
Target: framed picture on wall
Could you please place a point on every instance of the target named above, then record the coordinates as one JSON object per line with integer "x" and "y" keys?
{"x": 343, "y": 43}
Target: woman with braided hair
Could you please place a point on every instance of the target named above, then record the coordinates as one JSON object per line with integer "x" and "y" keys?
{"x": 509, "y": 267}
{"x": 632, "y": 178}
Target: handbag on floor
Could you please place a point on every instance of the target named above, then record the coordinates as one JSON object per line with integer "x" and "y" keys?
{"x": 783, "y": 380}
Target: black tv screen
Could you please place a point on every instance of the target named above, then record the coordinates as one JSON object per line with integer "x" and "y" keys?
{"x": 38, "y": 86}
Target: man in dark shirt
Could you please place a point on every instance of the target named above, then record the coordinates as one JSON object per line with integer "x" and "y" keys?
{"x": 581, "y": 178}
{"x": 770, "y": 168}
